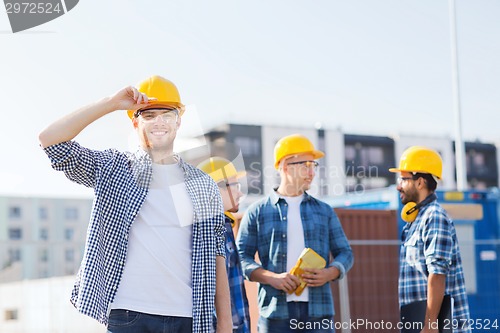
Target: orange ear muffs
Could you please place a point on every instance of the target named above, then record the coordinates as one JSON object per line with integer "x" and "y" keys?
{"x": 410, "y": 210}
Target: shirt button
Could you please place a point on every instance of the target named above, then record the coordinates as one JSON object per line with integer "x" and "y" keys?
{"x": 284, "y": 235}
{"x": 284, "y": 218}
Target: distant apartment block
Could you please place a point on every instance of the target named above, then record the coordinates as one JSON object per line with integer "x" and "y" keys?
{"x": 41, "y": 237}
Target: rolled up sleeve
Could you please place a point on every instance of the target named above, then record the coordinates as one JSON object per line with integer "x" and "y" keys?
{"x": 246, "y": 243}
{"x": 78, "y": 163}
{"x": 438, "y": 244}
{"x": 339, "y": 246}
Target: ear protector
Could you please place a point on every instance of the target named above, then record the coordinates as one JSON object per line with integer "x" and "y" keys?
{"x": 410, "y": 210}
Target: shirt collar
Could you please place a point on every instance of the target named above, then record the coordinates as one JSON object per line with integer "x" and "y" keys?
{"x": 142, "y": 156}
{"x": 275, "y": 196}
{"x": 229, "y": 217}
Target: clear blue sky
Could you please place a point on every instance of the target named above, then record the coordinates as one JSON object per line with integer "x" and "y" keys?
{"x": 369, "y": 67}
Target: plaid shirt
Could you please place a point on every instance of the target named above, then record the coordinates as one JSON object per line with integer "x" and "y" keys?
{"x": 430, "y": 245}
{"x": 121, "y": 182}
{"x": 239, "y": 302}
{"x": 264, "y": 230}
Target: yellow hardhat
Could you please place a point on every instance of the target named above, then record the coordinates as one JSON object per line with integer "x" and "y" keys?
{"x": 163, "y": 90}
{"x": 220, "y": 169}
{"x": 293, "y": 145}
{"x": 420, "y": 159}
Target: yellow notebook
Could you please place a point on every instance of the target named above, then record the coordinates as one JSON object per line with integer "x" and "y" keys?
{"x": 307, "y": 259}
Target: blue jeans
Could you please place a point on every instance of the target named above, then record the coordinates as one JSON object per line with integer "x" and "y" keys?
{"x": 125, "y": 321}
{"x": 298, "y": 322}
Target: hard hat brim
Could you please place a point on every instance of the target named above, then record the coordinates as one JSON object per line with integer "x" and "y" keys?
{"x": 317, "y": 154}
{"x": 155, "y": 104}
{"x": 241, "y": 174}
{"x": 238, "y": 175}
{"x": 396, "y": 170}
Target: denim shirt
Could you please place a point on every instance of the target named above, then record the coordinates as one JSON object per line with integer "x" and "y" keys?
{"x": 121, "y": 183}
{"x": 264, "y": 230}
{"x": 239, "y": 303}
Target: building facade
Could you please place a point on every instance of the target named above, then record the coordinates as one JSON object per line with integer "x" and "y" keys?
{"x": 41, "y": 237}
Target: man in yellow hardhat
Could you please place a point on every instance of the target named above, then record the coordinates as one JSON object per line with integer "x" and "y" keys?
{"x": 430, "y": 263}
{"x": 224, "y": 173}
{"x": 278, "y": 228}
{"x": 155, "y": 249}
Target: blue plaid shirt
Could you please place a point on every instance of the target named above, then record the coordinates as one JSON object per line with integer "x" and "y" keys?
{"x": 430, "y": 245}
{"x": 121, "y": 182}
{"x": 239, "y": 302}
{"x": 264, "y": 230}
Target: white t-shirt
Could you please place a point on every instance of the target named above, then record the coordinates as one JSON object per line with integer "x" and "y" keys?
{"x": 296, "y": 243}
{"x": 157, "y": 274}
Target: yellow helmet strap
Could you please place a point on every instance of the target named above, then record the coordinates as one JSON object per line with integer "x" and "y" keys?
{"x": 410, "y": 210}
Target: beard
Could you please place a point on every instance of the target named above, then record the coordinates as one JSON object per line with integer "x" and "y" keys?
{"x": 409, "y": 195}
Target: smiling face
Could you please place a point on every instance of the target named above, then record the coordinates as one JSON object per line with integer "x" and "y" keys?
{"x": 157, "y": 129}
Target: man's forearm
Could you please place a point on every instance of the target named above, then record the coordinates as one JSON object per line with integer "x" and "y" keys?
{"x": 222, "y": 297}
{"x": 436, "y": 285}
{"x": 261, "y": 275}
{"x": 68, "y": 127}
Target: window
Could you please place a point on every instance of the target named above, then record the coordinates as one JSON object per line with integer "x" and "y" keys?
{"x": 43, "y": 213}
{"x": 477, "y": 184}
{"x": 11, "y": 314}
{"x": 68, "y": 234}
{"x": 44, "y": 255}
{"x": 14, "y": 255}
{"x": 375, "y": 155}
{"x": 370, "y": 156}
{"x": 44, "y": 234}
{"x": 248, "y": 146}
{"x": 15, "y": 233}
{"x": 476, "y": 161}
{"x": 15, "y": 212}
{"x": 43, "y": 273}
{"x": 71, "y": 213}
{"x": 350, "y": 153}
{"x": 375, "y": 182}
{"x": 69, "y": 255}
